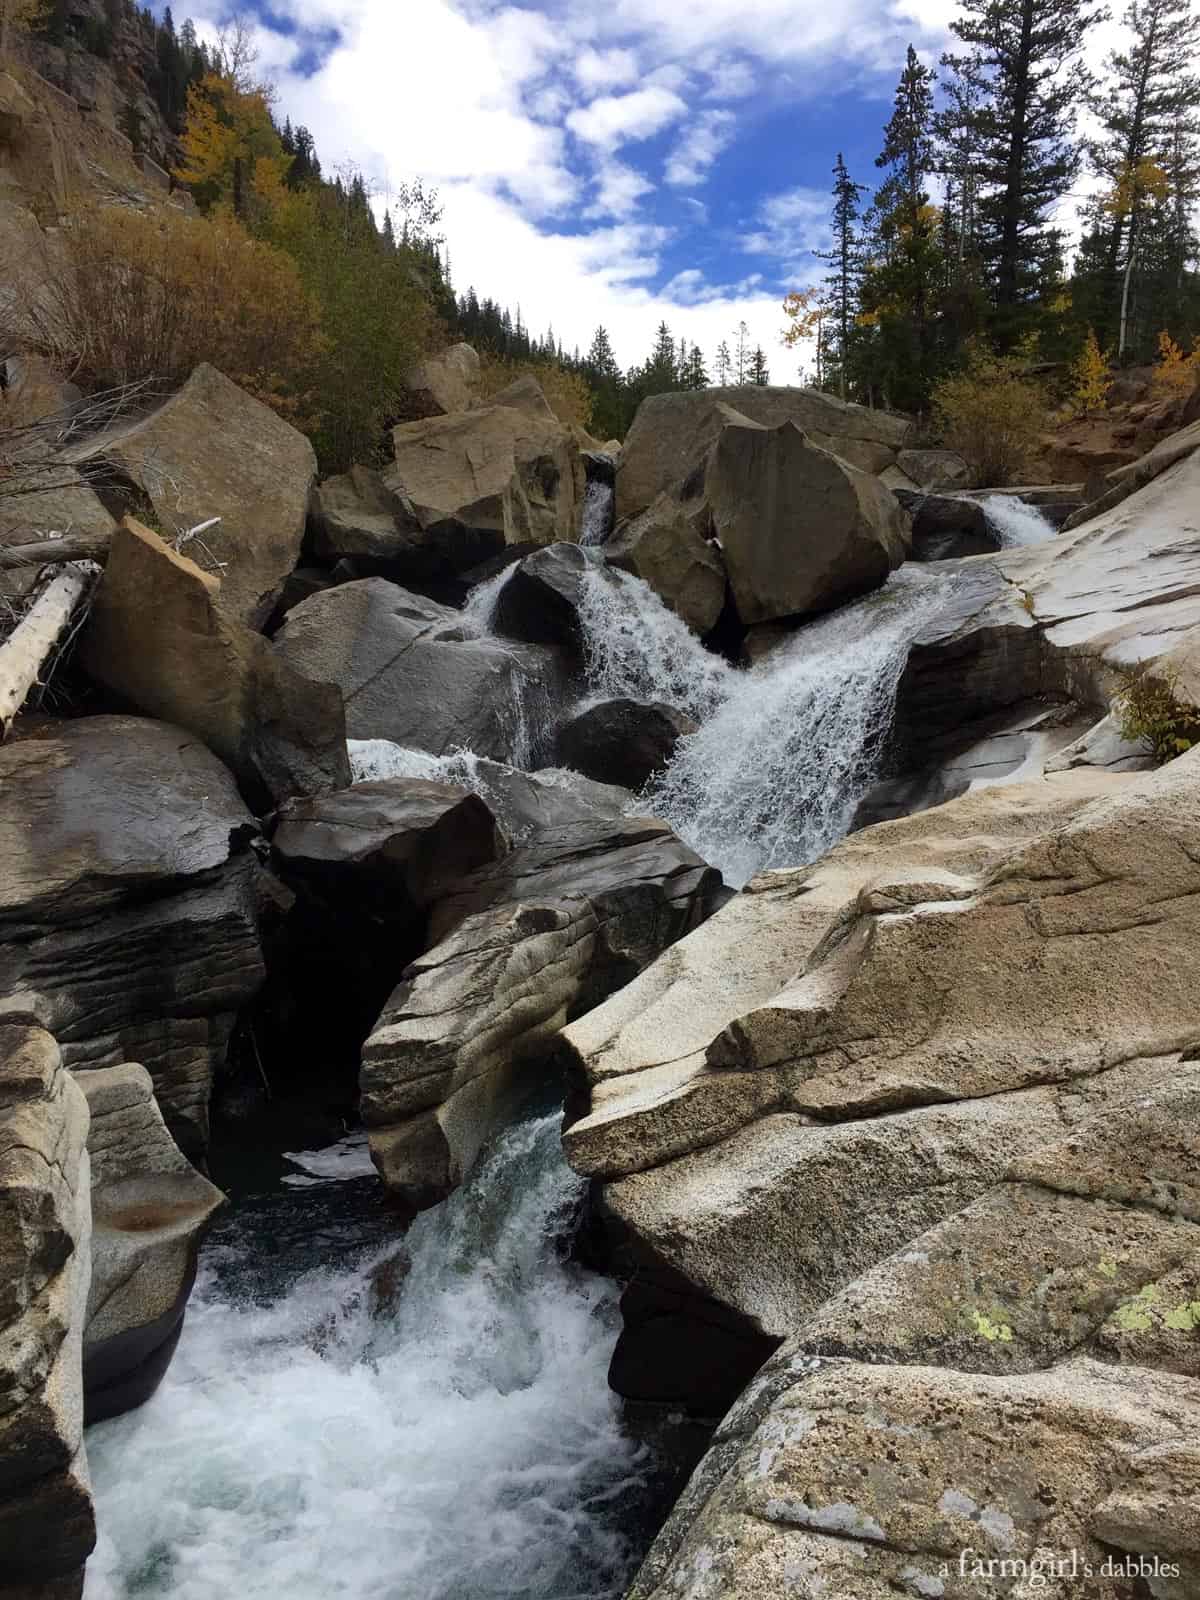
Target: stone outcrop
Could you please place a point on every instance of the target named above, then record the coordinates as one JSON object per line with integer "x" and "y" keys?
{"x": 539, "y": 601}
{"x": 409, "y": 673}
{"x": 800, "y": 529}
{"x": 622, "y": 741}
{"x": 672, "y": 433}
{"x": 150, "y": 1209}
{"x": 664, "y": 548}
{"x": 394, "y": 846}
{"x": 1129, "y": 478}
{"x": 158, "y": 637}
{"x": 129, "y": 903}
{"x": 516, "y": 950}
{"x": 934, "y": 470}
{"x": 500, "y": 474}
{"x": 947, "y": 526}
{"x": 47, "y": 1524}
{"x": 355, "y": 516}
{"x": 212, "y": 450}
{"x": 445, "y": 383}
{"x": 709, "y": 1164}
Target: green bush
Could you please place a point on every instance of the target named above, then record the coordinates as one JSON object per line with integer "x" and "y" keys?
{"x": 1149, "y": 712}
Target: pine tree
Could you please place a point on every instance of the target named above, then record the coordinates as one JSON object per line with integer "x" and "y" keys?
{"x": 846, "y": 258}
{"x": 693, "y": 372}
{"x": 759, "y": 373}
{"x": 724, "y": 365}
{"x": 1151, "y": 98}
{"x": 600, "y": 359}
{"x": 741, "y": 353}
{"x": 1022, "y": 66}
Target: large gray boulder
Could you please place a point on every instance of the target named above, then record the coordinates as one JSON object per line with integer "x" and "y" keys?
{"x": 444, "y": 383}
{"x": 356, "y": 516}
{"x": 708, "y": 1165}
{"x": 503, "y": 473}
{"x": 539, "y": 601}
{"x": 409, "y": 673}
{"x": 129, "y": 902}
{"x": 158, "y": 637}
{"x": 516, "y": 950}
{"x": 212, "y": 450}
{"x": 47, "y": 1523}
{"x": 663, "y": 546}
{"x": 394, "y": 845}
{"x": 150, "y": 1210}
{"x": 672, "y": 432}
{"x": 800, "y": 529}
{"x": 622, "y": 741}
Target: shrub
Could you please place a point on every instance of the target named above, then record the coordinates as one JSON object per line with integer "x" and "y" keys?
{"x": 1091, "y": 377}
{"x": 1150, "y": 712}
{"x": 1177, "y": 372}
{"x": 991, "y": 415}
{"x": 130, "y": 295}
{"x": 567, "y": 393}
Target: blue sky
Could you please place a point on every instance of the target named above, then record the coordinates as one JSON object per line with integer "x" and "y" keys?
{"x": 608, "y": 161}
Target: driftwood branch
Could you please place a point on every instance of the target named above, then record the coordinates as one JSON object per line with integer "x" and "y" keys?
{"x": 54, "y": 552}
{"x": 34, "y": 639}
{"x": 80, "y": 547}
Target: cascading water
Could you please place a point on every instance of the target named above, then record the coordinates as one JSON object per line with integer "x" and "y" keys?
{"x": 450, "y": 1436}
{"x": 786, "y": 750}
{"x": 637, "y": 648}
{"x": 596, "y": 519}
{"x": 1014, "y": 522}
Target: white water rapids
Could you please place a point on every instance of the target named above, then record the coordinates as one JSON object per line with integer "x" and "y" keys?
{"x": 460, "y": 1444}
{"x": 1016, "y": 523}
{"x": 786, "y": 749}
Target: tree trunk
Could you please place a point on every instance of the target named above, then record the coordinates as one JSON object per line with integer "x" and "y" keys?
{"x": 54, "y": 552}
{"x": 24, "y": 653}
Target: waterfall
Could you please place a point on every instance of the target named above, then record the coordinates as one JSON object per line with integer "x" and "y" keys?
{"x": 451, "y": 1438}
{"x": 637, "y": 648}
{"x": 786, "y": 750}
{"x": 596, "y": 520}
{"x": 1014, "y": 522}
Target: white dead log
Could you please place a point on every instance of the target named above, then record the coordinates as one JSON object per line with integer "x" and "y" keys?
{"x": 25, "y": 651}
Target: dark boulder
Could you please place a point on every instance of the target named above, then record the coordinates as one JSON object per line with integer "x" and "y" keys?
{"x": 539, "y": 603}
{"x": 623, "y": 741}
{"x": 944, "y": 526}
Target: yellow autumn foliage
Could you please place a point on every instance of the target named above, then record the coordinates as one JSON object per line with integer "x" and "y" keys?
{"x": 137, "y": 296}
{"x": 1178, "y": 371}
{"x": 992, "y": 415}
{"x": 1091, "y": 377}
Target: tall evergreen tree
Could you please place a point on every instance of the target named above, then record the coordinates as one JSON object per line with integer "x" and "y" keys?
{"x": 758, "y": 371}
{"x": 1149, "y": 100}
{"x": 1023, "y": 72}
{"x": 724, "y": 365}
{"x": 846, "y": 259}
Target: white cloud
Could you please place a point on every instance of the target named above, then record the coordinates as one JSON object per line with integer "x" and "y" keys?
{"x": 698, "y": 147}
{"x": 730, "y": 80}
{"x": 612, "y": 119}
{"x": 789, "y": 227}
{"x": 606, "y": 69}
{"x": 618, "y": 190}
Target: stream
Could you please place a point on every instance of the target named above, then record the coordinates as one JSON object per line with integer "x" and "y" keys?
{"x": 426, "y": 1420}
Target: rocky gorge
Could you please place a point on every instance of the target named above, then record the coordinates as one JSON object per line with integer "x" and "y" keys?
{"x": 756, "y": 785}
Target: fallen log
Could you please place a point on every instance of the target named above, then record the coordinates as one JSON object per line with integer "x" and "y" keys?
{"x": 54, "y": 552}
{"x": 25, "y": 651}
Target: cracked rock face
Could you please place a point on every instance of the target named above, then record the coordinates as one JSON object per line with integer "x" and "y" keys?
{"x": 129, "y": 903}
{"x": 517, "y": 949}
{"x": 150, "y": 1210}
{"x": 407, "y": 672}
{"x": 47, "y": 1525}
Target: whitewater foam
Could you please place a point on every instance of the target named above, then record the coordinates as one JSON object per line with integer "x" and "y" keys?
{"x": 460, "y": 1444}
{"x": 1014, "y": 522}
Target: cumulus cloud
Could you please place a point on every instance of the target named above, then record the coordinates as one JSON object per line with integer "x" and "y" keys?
{"x": 698, "y": 147}
{"x": 606, "y": 69}
{"x": 789, "y": 227}
{"x": 613, "y": 119}
{"x": 618, "y": 189}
